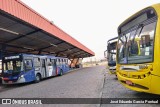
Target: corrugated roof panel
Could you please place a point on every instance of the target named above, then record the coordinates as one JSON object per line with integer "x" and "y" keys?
{"x": 21, "y": 11}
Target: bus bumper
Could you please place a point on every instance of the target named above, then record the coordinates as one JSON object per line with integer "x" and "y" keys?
{"x": 20, "y": 80}
{"x": 148, "y": 84}
{"x": 112, "y": 70}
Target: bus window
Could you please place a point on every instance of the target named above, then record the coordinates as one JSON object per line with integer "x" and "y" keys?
{"x": 14, "y": 66}
{"x": 66, "y": 61}
{"x": 69, "y": 61}
{"x": 131, "y": 47}
{"x": 59, "y": 60}
{"x": 53, "y": 62}
{"x": 0, "y": 66}
{"x": 28, "y": 64}
{"x": 10, "y": 65}
{"x": 147, "y": 36}
{"x": 17, "y": 66}
{"x": 63, "y": 61}
{"x": 37, "y": 62}
{"x": 43, "y": 63}
{"x": 49, "y": 62}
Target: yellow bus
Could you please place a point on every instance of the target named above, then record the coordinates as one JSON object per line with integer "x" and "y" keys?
{"x": 138, "y": 51}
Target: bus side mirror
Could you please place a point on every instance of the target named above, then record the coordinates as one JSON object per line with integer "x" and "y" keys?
{"x": 105, "y": 54}
{"x": 108, "y": 47}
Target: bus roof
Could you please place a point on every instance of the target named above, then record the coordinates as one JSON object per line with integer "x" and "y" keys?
{"x": 156, "y": 7}
{"x": 113, "y": 39}
{"x": 45, "y": 56}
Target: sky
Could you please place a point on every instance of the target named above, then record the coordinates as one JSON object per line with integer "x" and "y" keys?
{"x": 91, "y": 22}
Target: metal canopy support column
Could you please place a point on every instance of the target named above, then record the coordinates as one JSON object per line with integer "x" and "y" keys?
{"x": 3, "y": 50}
{"x": 77, "y": 66}
{"x": 71, "y": 62}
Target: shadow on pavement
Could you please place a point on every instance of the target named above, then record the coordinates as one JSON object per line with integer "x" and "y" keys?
{"x": 146, "y": 95}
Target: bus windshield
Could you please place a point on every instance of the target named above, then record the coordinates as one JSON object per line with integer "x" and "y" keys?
{"x": 136, "y": 46}
{"x": 111, "y": 49}
{"x": 12, "y": 66}
{"x": 111, "y": 55}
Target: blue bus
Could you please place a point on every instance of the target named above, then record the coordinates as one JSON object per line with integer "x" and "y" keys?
{"x": 23, "y": 68}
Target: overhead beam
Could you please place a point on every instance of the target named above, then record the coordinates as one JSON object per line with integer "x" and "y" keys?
{"x": 81, "y": 54}
{"x": 3, "y": 13}
{"x": 7, "y": 45}
{"x": 40, "y": 50}
{"x": 65, "y": 50}
{"x": 19, "y": 47}
{"x": 22, "y": 35}
{"x": 73, "y": 53}
{"x": 76, "y": 52}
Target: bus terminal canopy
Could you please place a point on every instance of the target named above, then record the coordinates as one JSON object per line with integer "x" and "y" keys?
{"x": 22, "y": 30}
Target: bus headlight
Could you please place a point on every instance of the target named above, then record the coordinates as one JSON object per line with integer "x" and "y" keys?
{"x": 21, "y": 76}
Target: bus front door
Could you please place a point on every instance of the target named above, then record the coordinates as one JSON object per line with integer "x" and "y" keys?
{"x": 44, "y": 72}
{"x": 54, "y": 67}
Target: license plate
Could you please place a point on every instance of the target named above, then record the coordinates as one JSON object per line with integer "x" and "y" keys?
{"x": 129, "y": 82}
{"x": 10, "y": 82}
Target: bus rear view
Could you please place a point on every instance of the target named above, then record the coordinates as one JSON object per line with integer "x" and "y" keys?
{"x": 138, "y": 50}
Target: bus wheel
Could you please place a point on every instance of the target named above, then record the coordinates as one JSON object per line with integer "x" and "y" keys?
{"x": 38, "y": 78}
{"x": 61, "y": 73}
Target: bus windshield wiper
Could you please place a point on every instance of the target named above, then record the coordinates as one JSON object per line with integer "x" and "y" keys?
{"x": 141, "y": 27}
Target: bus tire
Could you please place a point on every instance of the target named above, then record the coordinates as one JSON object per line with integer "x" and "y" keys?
{"x": 61, "y": 72}
{"x": 38, "y": 78}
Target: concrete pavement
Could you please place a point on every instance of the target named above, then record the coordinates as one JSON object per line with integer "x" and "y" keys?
{"x": 113, "y": 89}
{"x": 81, "y": 83}
{"x": 90, "y": 82}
